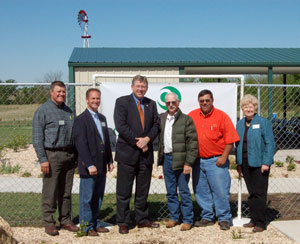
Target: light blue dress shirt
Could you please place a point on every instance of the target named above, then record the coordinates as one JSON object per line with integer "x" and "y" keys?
{"x": 98, "y": 123}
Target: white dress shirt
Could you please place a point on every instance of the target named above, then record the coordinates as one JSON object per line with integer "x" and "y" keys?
{"x": 168, "y": 134}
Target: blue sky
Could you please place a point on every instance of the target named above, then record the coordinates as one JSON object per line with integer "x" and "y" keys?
{"x": 38, "y": 36}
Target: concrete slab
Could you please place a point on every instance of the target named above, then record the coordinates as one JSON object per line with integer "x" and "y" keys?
{"x": 291, "y": 228}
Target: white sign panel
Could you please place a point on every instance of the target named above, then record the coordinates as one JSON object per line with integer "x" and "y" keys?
{"x": 225, "y": 96}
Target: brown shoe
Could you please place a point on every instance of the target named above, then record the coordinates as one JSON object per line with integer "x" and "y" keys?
{"x": 185, "y": 227}
{"x": 149, "y": 224}
{"x": 92, "y": 233}
{"x": 172, "y": 223}
{"x": 123, "y": 229}
{"x": 102, "y": 230}
{"x": 204, "y": 223}
{"x": 258, "y": 229}
{"x": 51, "y": 230}
{"x": 249, "y": 225}
{"x": 70, "y": 227}
{"x": 224, "y": 225}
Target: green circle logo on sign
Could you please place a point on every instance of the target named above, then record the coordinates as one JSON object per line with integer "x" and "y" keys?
{"x": 166, "y": 90}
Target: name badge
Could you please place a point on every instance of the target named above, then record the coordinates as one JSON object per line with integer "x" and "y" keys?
{"x": 255, "y": 126}
{"x": 61, "y": 122}
{"x": 103, "y": 124}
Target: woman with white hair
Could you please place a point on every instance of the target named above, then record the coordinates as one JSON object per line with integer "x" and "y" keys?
{"x": 254, "y": 156}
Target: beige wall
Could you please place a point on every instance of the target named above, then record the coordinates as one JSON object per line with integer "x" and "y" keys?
{"x": 85, "y": 74}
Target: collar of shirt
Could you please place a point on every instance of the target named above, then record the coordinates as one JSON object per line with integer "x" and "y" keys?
{"x": 171, "y": 117}
{"x": 94, "y": 114}
{"x": 136, "y": 99}
{"x": 209, "y": 114}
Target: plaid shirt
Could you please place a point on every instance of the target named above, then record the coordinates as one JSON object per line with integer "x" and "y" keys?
{"x": 52, "y": 128}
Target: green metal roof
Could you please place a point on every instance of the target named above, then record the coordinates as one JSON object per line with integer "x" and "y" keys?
{"x": 186, "y": 56}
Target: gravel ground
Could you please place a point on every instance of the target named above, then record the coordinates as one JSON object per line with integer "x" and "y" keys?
{"x": 207, "y": 235}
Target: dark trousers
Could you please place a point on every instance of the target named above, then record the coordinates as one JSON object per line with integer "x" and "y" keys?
{"x": 57, "y": 187}
{"x": 125, "y": 178}
{"x": 257, "y": 185}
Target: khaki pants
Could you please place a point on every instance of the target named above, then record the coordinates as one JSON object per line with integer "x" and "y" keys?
{"x": 57, "y": 187}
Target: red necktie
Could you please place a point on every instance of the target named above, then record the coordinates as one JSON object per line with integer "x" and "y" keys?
{"x": 141, "y": 113}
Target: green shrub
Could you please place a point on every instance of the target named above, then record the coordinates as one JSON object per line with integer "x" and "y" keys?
{"x": 289, "y": 159}
{"x": 26, "y": 174}
{"x": 82, "y": 227}
{"x": 9, "y": 169}
{"x": 236, "y": 234}
{"x": 279, "y": 164}
{"x": 291, "y": 166}
{"x": 232, "y": 166}
{"x": 18, "y": 142}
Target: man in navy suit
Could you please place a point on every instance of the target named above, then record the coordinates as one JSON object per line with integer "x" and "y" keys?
{"x": 137, "y": 122}
{"x": 94, "y": 157}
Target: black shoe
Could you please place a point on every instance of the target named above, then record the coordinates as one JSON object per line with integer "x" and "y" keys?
{"x": 204, "y": 223}
{"x": 224, "y": 225}
{"x": 123, "y": 229}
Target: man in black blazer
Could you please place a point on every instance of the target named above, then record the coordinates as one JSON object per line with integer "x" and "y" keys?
{"x": 94, "y": 157}
{"x": 137, "y": 122}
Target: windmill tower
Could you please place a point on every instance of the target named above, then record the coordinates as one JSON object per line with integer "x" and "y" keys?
{"x": 83, "y": 23}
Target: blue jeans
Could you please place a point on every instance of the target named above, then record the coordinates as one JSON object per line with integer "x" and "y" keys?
{"x": 91, "y": 192}
{"x": 211, "y": 186}
{"x": 174, "y": 179}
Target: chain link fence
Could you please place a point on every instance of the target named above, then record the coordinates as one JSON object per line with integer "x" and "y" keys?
{"x": 21, "y": 179}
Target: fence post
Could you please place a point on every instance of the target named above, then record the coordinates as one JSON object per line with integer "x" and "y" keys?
{"x": 270, "y": 95}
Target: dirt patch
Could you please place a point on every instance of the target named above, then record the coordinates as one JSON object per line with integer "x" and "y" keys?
{"x": 207, "y": 235}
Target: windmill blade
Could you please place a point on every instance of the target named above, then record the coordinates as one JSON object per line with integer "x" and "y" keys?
{"x": 81, "y": 18}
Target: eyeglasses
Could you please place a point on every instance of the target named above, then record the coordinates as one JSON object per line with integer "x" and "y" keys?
{"x": 171, "y": 102}
{"x": 204, "y": 100}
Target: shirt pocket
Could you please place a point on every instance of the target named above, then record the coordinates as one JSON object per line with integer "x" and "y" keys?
{"x": 213, "y": 132}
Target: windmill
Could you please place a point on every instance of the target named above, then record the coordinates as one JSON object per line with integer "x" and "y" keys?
{"x": 83, "y": 23}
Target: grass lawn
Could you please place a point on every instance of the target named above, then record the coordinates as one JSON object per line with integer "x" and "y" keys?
{"x": 16, "y": 120}
{"x": 8, "y": 132}
{"x": 24, "y": 209}
{"x": 17, "y": 112}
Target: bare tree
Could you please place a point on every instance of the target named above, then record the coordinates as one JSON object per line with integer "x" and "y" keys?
{"x": 51, "y": 76}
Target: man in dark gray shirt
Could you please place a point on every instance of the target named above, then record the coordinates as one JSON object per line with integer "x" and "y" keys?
{"x": 52, "y": 141}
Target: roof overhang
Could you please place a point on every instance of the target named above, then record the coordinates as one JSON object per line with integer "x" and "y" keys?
{"x": 241, "y": 70}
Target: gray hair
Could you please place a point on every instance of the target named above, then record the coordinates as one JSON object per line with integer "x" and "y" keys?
{"x": 174, "y": 94}
{"x": 247, "y": 99}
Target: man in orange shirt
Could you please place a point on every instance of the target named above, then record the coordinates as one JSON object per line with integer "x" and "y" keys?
{"x": 211, "y": 179}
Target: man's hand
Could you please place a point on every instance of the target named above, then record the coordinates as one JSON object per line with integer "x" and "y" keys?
{"x": 93, "y": 170}
{"x": 239, "y": 170}
{"x": 145, "y": 148}
{"x": 264, "y": 168}
{"x": 187, "y": 169}
{"x": 45, "y": 167}
{"x": 142, "y": 141}
{"x": 221, "y": 161}
{"x": 110, "y": 167}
